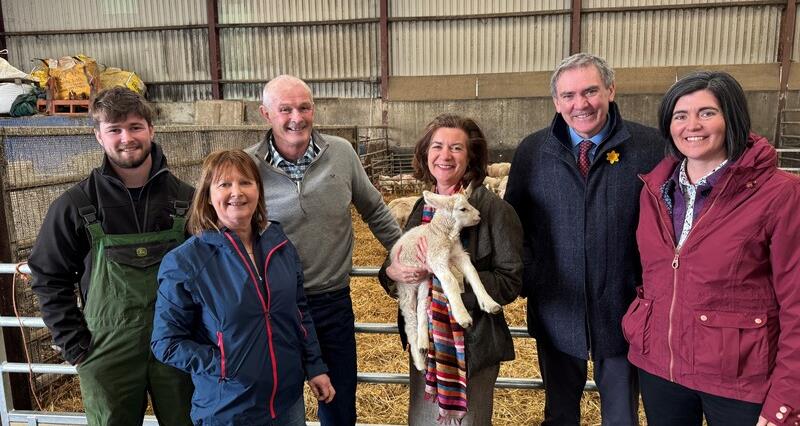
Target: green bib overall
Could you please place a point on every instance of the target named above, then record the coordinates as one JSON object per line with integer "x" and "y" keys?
{"x": 120, "y": 370}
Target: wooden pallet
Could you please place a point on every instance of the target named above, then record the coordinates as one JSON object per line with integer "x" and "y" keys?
{"x": 63, "y": 107}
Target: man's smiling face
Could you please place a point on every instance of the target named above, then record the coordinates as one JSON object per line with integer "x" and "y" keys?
{"x": 582, "y": 98}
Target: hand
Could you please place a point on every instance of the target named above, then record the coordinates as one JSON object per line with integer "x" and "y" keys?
{"x": 321, "y": 388}
{"x": 763, "y": 422}
{"x": 405, "y": 274}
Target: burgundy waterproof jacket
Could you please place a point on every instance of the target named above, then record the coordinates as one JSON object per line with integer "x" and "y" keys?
{"x": 721, "y": 314}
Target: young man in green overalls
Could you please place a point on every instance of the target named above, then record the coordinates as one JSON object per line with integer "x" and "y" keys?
{"x": 109, "y": 233}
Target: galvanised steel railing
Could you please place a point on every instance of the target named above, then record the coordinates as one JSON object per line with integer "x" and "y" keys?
{"x": 32, "y": 418}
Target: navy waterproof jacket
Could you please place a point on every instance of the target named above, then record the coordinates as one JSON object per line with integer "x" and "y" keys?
{"x": 244, "y": 332}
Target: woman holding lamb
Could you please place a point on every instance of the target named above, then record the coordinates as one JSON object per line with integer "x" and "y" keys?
{"x": 452, "y": 155}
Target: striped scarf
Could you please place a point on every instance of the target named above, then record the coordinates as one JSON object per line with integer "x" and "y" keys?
{"x": 446, "y": 371}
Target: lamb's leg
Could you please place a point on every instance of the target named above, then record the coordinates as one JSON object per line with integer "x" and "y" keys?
{"x": 486, "y": 303}
{"x": 422, "y": 325}
{"x": 406, "y": 298}
{"x": 451, "y": 290}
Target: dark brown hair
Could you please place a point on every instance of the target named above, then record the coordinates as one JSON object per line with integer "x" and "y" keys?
{"x": 202, "y": 216}
{"x": 732, "y": 102}
{"x": 477, "y": 151}
{"x": 115, "y": 104}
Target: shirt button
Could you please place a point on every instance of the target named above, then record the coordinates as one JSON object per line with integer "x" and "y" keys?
{"x": 783, "y": 409}
{"x": 779, "y": 416}
{"x": 759, "y": 321}
{"x": 703, "y": 318}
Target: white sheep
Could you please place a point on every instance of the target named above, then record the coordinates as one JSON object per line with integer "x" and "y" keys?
{"x": 501, "y": 187}
{"x": 444, "y": 251}
{"x": 497, "y": 170}
{"x": 400, "y": 208}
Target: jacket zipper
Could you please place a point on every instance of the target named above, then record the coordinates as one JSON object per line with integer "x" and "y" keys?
{"x": 265, "y": 309}
{"x": 269, "y": 333}
{"x": 676, "y": 264}
{"x": 303, "y": 329}
{"x": 223, "y": 369}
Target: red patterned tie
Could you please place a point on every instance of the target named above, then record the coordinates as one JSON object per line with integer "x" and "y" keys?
{"x": 583, "y": 157}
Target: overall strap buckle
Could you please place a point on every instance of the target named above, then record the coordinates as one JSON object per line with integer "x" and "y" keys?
{"x": 181, "y": 208}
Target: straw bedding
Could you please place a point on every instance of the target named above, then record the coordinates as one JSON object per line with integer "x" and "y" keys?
{"x": 387, "y": 404}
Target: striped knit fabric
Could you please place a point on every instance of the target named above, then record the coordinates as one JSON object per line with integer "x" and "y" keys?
{"x": 446, "y": 371}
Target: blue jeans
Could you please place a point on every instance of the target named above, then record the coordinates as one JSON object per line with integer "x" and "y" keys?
{"x": 335, "y": 324}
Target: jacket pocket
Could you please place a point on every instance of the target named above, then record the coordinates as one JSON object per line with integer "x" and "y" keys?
{"x": 223, "y": 368}
{"x": 730, "y": 344}
{"x": 636, "y": 323}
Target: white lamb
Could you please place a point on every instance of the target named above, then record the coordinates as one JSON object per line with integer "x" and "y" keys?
{"x": 444, "y": 251}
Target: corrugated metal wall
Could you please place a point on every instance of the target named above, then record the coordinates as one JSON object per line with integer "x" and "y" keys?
{"x": 46, "y": 15}
{"x": 496, "y": 45}
{"x": 796, "y": 45}
{"x": 410, "y": 8}
{"x": 731, "y": 35}
{"x": 474, "y": 46}
{"x": 342, "y": 59}
{"x": 588, "y": 4}
{"x": 260, "y": 11}
{"x": 345, "y": 51}
{"x": 157, "y": 56}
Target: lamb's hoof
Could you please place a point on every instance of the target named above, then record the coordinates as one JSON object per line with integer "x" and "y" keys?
{"x": 467, "y": 323}
{"x": 492, "y": 308}
{"x": 419, "y": 360}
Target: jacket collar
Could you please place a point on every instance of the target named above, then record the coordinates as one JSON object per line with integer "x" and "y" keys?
{"x": 758, "y": 162}
{"x": 263, "y": 147}
{"x": 271, "y": 235}
{"x": 559, "y": 142}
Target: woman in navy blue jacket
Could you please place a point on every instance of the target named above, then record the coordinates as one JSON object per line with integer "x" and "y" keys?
{"x": 231, "y": 309}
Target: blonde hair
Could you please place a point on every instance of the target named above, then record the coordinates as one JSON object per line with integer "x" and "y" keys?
{"x": 202, "y": 216}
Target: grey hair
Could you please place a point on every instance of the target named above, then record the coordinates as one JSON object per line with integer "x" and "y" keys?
{"x": 282, "y": 79}
{"x": 580, "y": 60}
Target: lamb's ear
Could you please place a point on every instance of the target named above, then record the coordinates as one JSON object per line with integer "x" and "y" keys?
{"x": 435, "y": 200}
{"x": 468, "y": 191}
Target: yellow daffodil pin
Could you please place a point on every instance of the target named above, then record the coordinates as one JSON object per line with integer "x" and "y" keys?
{"x": 612, "y": 157}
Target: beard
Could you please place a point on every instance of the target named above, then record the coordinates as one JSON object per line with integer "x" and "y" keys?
{"x": 130, "y": 162}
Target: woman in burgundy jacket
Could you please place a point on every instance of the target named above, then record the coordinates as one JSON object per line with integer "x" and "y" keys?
{"x": 715, "y": 329}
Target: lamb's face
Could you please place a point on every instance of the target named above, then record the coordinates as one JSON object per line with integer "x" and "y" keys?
{"x": 463, "y": 211}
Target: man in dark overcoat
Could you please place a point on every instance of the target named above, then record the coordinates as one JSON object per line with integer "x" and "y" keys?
{"x": 575, "y": 188}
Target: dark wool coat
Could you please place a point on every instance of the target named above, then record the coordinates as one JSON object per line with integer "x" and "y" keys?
{"x": 581, "y": 260}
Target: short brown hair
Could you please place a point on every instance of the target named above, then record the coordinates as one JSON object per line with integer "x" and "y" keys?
{"x": 115, "y": 104}
{"x": 477, "y": 151}
{"x": 202, "y": 216}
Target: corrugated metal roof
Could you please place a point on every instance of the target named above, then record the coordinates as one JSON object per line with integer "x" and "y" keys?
{"x": 45, "y": 15}
{"x": 739, "y": 35}
{"x": 154, "y": 56}
{"x": 249, "y": 11}
{"x": 406, "y": 8}
{"x": 497, "y": 45}
{"x": 327, "y": 52}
